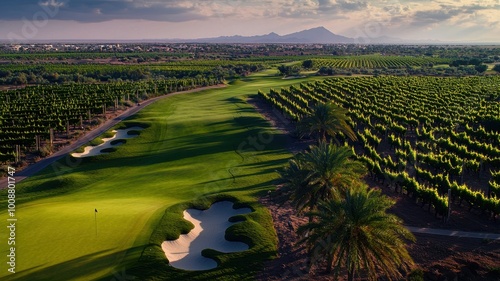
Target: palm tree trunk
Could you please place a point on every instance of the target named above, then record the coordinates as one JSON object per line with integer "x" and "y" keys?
{"x": 311, "y": 207}
{"x": 350, "y": 274}
{"x": 309, "y": 258}
{"x": 329, "y": 262}
{"x": 350, "y": 267}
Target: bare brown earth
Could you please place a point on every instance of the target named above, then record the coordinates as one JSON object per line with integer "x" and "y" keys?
{"x": 440, "y": 257}
{"x": 91, "y": 130}
{"x": 62, "y": 139}
{"x": 11, "y": 87}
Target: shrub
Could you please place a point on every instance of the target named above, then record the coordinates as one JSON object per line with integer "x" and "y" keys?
{"x": 108, "y": 134}
{"x": 95, "y": 142}
{"x": 108, "y": 150}
{"x": 45, "y": 150}
{"x": 118, "y": 142}
{"x": 416, "y": 275}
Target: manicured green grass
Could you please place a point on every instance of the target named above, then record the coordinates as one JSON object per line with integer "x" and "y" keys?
{"x": 95, "y": 142}
{"x": 196, "y": 146}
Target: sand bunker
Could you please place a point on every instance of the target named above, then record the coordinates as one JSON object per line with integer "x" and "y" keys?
{"x": 97, "y": 150}
{"x": 208, "y": 233}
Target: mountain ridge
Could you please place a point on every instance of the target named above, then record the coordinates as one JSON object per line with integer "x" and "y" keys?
{"x": 317, "y": 35}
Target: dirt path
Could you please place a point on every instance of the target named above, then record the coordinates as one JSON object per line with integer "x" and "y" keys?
{"x": 442, "y": 254}
{"x": 455, "y": 233}
{"x": 40, "y": 165}
{"x": 457, "y": 250}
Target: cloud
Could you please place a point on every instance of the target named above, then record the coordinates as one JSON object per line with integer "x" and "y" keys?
{"x": 435, "y": 16}
{"x": 183, "y": 10}
{"x": 168, "y": 11}
{"x": 103, "y": 10}
{"x": 393, "y": 16}
{"x": 51, "y": 3}
{"x": 177, "y": 10}
{"x": 453, "y": 14}
{"x": 345, "y": 5}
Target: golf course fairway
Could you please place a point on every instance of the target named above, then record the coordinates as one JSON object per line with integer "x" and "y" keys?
{"x": 194, "y": 146}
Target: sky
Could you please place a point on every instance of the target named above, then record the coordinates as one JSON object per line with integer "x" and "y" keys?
{"x": 443, "y": 20}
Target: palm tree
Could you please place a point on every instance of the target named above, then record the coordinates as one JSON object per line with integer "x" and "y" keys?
{"x": 356, "y": 233}
{"x": 292, "y": 176}
{"x": 326, "y": 119}
{"x": 319, "y": 174}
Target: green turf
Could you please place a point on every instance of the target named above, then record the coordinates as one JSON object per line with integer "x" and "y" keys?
{"x": 195, "y": 146}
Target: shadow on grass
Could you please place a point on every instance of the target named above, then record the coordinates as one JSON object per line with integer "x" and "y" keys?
{"x": 236, "y": 266}
{"x": 196, "y": 145}
{"x": 68, "y": 270}
{"x": 255, "y": 188}
{"x": 247, "y": 136}
{"x": 253, "y": 230}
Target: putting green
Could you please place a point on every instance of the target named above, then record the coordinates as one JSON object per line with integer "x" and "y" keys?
{"x": 188, "y": 151}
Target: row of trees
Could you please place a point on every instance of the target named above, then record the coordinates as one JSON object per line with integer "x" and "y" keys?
{"x": 21, "y": 74}
{"x": 29, "y": 114}
{"x": 448, "y": 116}
{"x": 348, "y": 227}
{"x": 428, "y": 70}
{"x": 378, "y": 62}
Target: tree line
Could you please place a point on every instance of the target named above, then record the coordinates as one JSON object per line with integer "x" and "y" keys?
{"x": 349, "y": 230}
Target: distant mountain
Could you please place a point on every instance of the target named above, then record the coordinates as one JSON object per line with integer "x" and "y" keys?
{"x": 319, "y": 35}
{"x": 268, "y": 38}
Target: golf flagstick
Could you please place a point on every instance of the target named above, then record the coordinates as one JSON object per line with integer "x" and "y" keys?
{"x": 95, "y": 218}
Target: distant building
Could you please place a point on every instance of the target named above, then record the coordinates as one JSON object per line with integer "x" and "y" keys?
{"x": 15, "y": 48}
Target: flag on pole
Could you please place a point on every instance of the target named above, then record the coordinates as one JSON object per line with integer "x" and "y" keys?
{"x": 95, "y": 219}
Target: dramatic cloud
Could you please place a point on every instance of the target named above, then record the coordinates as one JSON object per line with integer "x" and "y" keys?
{"x": 104, "y": 10}
{"x": 340, "y": 5}
{"x": 438, "y": 19}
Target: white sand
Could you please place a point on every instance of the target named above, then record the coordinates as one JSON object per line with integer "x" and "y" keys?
{"x": 208, "y": 233}
{"x": 96, "y": 150}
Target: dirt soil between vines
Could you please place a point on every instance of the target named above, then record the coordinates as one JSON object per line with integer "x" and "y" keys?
{"x": 31, "y": 163}
{"x": 440, "y": 257}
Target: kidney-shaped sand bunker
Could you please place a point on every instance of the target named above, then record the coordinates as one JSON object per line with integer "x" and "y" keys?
{"x": 120, "y": 134}
{"x": 208, "y": 233}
